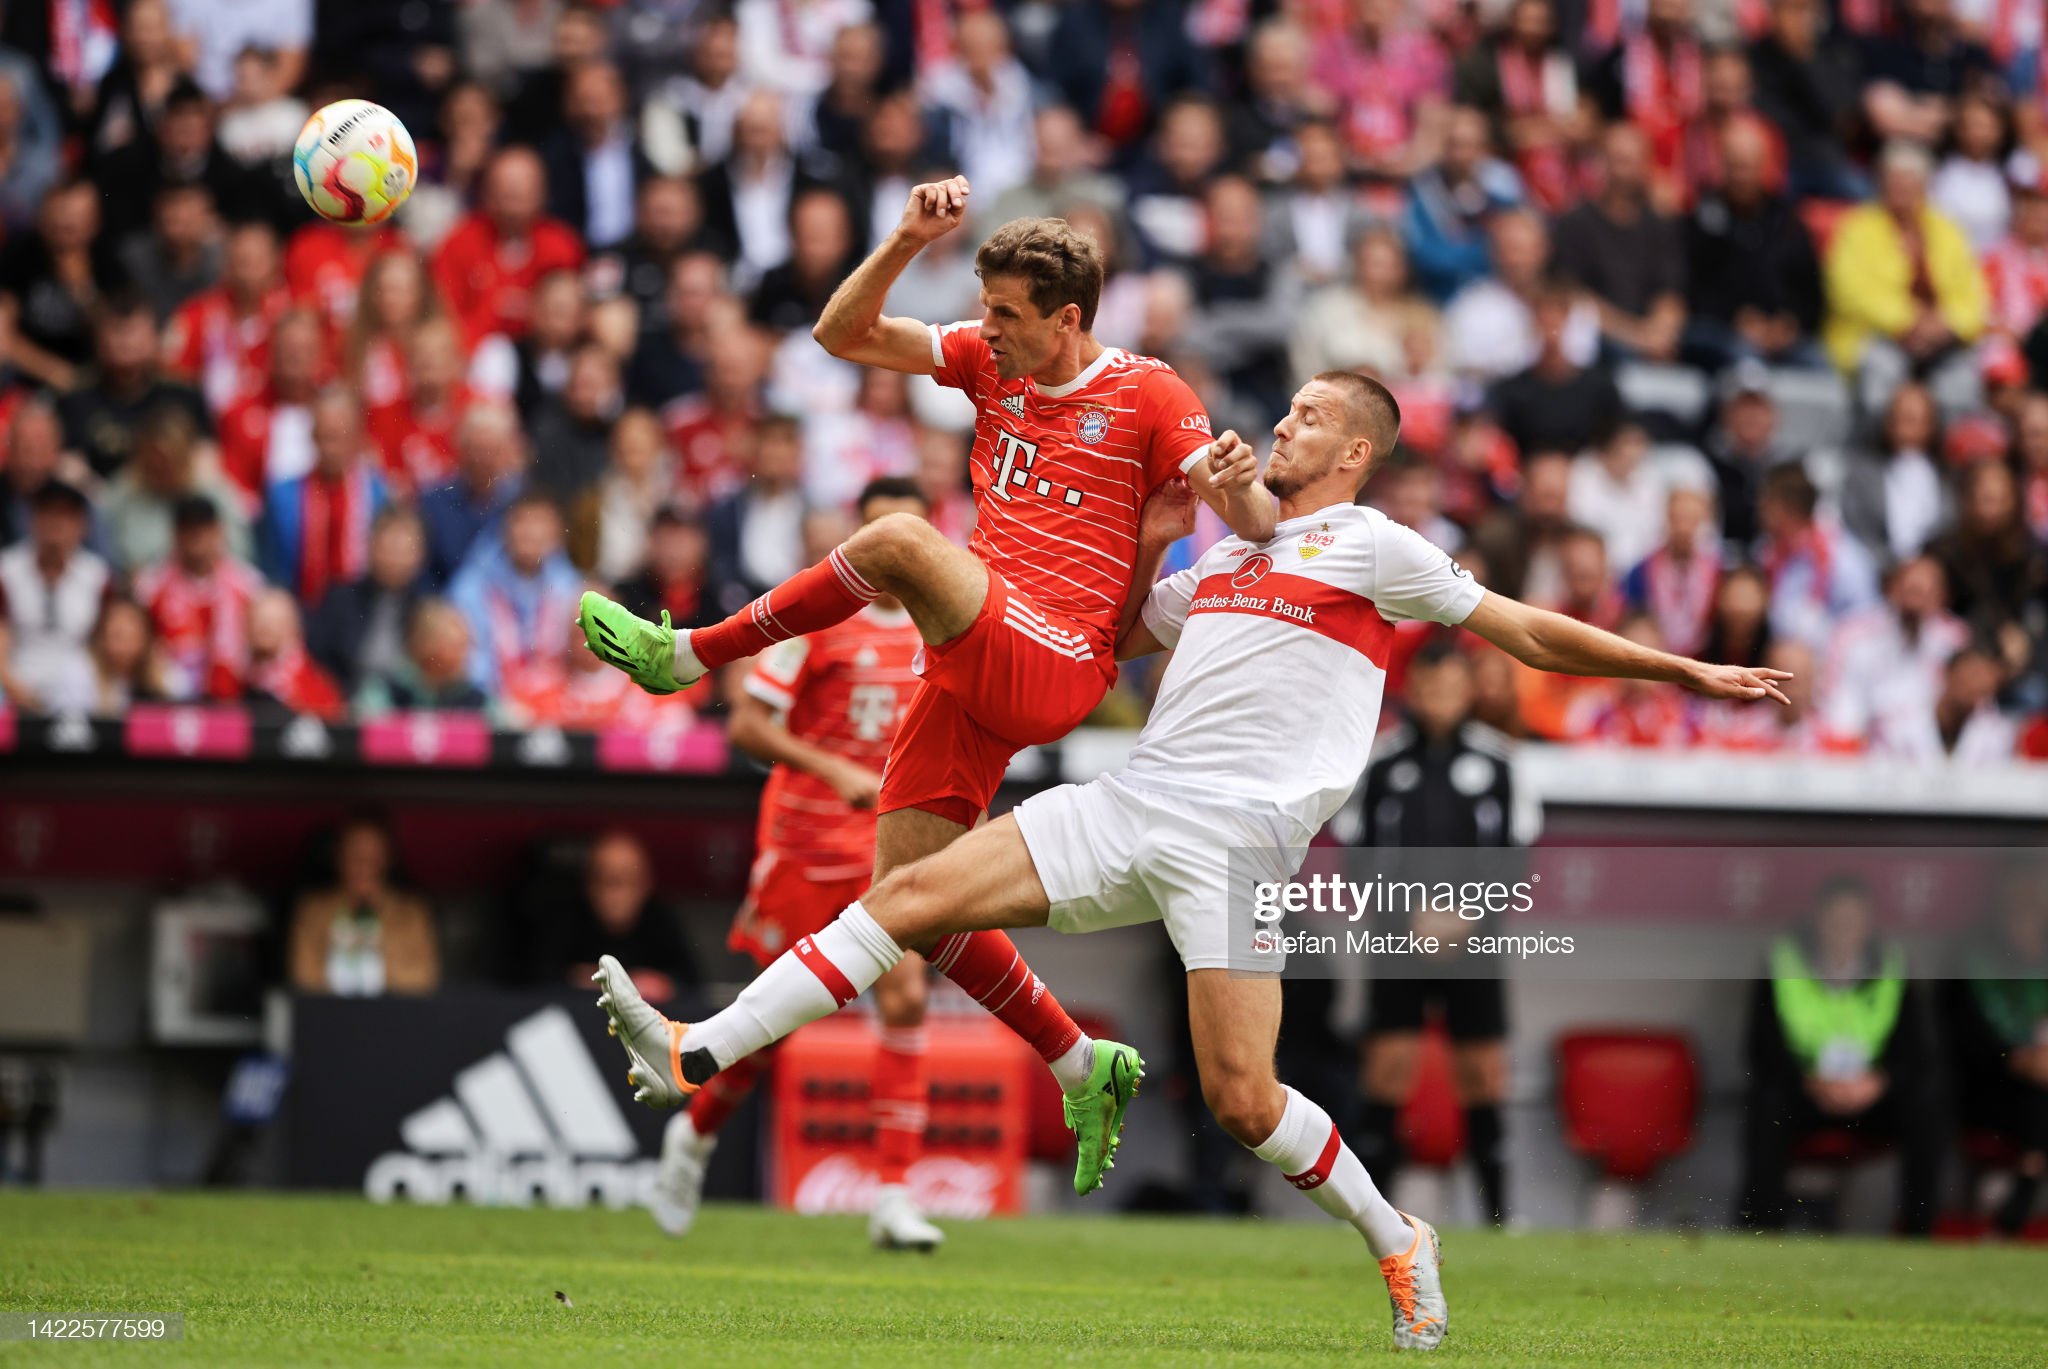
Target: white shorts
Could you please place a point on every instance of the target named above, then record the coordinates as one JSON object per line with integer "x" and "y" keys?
{"x": 1111, "y": 854}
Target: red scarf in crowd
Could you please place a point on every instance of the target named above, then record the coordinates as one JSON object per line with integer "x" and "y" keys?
{"x": 1680, "y": 596}
{"x": 1525, "y": 90}
{"x": 334, "y": 542}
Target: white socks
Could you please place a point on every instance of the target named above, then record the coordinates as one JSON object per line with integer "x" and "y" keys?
{"x": 815, "y": 978}
{"x": 1073, "y": 1068}
{"x": 1315, "y": 1160}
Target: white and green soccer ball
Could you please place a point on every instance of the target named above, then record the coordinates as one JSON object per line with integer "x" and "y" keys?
{"x": 354, "y": 162}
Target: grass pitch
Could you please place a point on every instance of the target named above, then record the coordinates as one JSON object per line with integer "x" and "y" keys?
{"x": 337, "y": 1281}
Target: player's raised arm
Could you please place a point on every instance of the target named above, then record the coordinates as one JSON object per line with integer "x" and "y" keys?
{"x": 1227, "y": 479}
{"x": 853, "y": 327}
{"x": 1551, "y": 641}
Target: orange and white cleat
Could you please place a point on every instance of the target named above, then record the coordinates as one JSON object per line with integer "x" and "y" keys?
{"x": 654, "y": 1044}
{"x": 1415, "y": 1286}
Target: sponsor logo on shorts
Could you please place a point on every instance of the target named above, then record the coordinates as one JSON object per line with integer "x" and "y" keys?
{"x": 1092, "y": 427}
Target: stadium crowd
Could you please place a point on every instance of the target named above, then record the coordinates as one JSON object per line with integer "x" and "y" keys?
{"x": 1717, "y": 322}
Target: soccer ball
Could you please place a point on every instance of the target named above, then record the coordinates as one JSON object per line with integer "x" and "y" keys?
{"x": 354, "y": 162}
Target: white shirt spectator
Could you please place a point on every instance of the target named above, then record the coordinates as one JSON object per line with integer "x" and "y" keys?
{"x": 1880, "y": 684}
{"x": 1490, "y": 333}
{"x": 994, "y": 136}
{"x": 1912, "y": 502}
{"x": 772, "y": 537}
{"x": 760, "y": 208}
{"x": 787, "y": 44}
{"x": 1974, "y": 194}
{"x": 1628, "y": 512}
{"x": 1988, "y": 738}
{"x": 220, "y": 29}
{"x": 53, "y": 623}
{"x": 608, "y": 191}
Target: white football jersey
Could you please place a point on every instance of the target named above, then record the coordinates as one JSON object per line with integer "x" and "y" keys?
{"x": 1280, "y": 659}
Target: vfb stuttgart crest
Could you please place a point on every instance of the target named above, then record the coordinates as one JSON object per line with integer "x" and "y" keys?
{"x": 1093, "y": 427}
{"x": 1316, "y": 543}
{"x": 1252, "y": 571}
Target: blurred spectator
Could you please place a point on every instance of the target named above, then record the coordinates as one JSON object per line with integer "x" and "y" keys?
{"x": 1519, "y": 540}
{"x": 1754, "y": 282}
{"x": 435, "y": 673}
{"x": 669, "y": 361}
{"x": 843, "y": 452}
{"x": 1893, "y": 498}
{"x": 534, "y": 369}
{"x": 1120, "y": 62}
{"x": 533, "y": 102}
{"x": 487, "y": 268}
{"x": 1730, "y": 104}
{"x": 283, "y": 680}
{"x": 1634, "y": 712}
{"x": 1838, "y": 1041}
{"x": 1997, "y": 573}
{"x": 130, "y": 98}
{"x": 617, "y": 915}
{"x": 506, "y": 41}
{"x": 490, "y": 465}
{"x": 747, "y": 197}
{"x": 357, "y": 632}
{"x": 1652, "y": 77}
{"x": 1246, "y": 304}
{"x": 363, "y": 938}
{"x": 316, "y": 528}
{"x": 1964, "y": 725}
{"x": 594, "y": 159}
{"x": 1970, "y": 185}
{"x": 676, "y": 578}
{"x": 1999, "y": 1015}
{"x": 710, "y": 96}
{"x": 2031, "y": 453}
{"x": 1618, "y": 491}
{"x": 1677, "y": 583}
{"x": 1167, "y": 186}
{"x": 198, "y": 600}
{"x": 1449, "y": 221}
{"x": 1364, "y": 325}
{"x": 1795, "y": 728}
{"x": 756, "y": 532}
{"x": 1740, "y": 447}
{"x": 1630, "y": 257}
{"x": 1490, "y": 326}
{"x": 668, "y": 221}
{"x": 1061, "y": 176}
{"x": 895, "y": 151}
{"x": 708, "y": 431}
{"x": 1885, "y": 664}
{"x": 1915, "y": 71}
{"x": 1279, "y": 101}
{"x": 837, "y": 120}
{"x": 415, "y": 433}
{"x": 181, "y": 254}
{"x": 1319, "y": 211}
{"x": 1739, "y": 632}
{"x": 638, "y": 480}
{"x": 787, "y": 44}
{"x": 261, "y": 120}
{"x": 1808, "y": 82}
{"x": 516, "y": 590}
{"x": 1557, "y": 404}
{"x": 35, "y": 454}
{"x": 52, "y": 590}
{"x": 29, "y": 144}
{"x": 942, "y": 479}
{"x": 218, "y": 30}
{"x": 127, "y": 666}
{"x": 128, "y": 382}
{"x": 823, "y": 252}
{"x": 183, "y": 150}
{"x": 219, "y": 340}
{"x": 267, "y": 437}
{"x": 2016, "y": 266}
{"x": 1904, "y": 292}
{"x": 1523, "y": 79}
{"x": 1391, "y": 78}
{"x": 1407, "y": 492}
{"x": 1586, "y": 588}
{"x": 136, "y": 510}
{"x": 590, "y": 696}
{"x": 1818, "y": 574}
{"x": 468, "y": 122}
{"x": 397, "y": 297}
{"x": 572, "y": 433}
{"x": 984, "y": 97}
{"x": 50, "y": 281}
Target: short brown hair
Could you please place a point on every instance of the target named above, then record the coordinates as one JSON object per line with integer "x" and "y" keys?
{"x": 1061, "y": 264}
{"x": 1374, "y": 412}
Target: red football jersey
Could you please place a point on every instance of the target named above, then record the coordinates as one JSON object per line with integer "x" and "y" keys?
{"x": 1061, "y": 473}
{"x": 843, "y": 690}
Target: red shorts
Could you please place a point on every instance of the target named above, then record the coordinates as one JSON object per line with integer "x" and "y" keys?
{"x": 785, "y": 903}
{"x": 1018, "y": 677}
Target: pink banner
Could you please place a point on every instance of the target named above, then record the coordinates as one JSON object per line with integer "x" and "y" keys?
{"x": 443, "y": 739}
{"x": 201, "y": 732}
{"x": 696, "y": 750}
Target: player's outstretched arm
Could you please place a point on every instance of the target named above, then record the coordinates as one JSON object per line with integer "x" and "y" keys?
{"x": 1227, "y": 480}
{"x": 1551, "y": 641}
{"x": 853, "y": 327}
{"x": 757, "y": 730}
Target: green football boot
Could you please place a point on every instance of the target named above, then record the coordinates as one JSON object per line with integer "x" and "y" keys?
{"x": 1095, "y": 1112}
{"x": 657, "y": 657}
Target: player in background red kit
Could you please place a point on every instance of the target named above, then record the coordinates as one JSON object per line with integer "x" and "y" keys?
{"x": 1071, "y": 439}
{"x": 823, "y": 710}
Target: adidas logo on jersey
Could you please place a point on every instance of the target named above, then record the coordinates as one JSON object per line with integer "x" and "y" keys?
{"x": 1015, "y": 404}
{"x": 533, "y": 1122}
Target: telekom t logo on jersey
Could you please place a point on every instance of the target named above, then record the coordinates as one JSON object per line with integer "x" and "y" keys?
{"x": 1014, "y": 460}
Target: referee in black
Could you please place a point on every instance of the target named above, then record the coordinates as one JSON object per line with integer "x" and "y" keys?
{"x": 1439, "y": 779}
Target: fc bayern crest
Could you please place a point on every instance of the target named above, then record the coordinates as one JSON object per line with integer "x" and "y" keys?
{"x": 1093, "y": 427}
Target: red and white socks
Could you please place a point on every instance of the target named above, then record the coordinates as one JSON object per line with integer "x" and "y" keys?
{"x": 1313, "y": 1156}
{"x": 814, "y": 598}
{"x": 817, "y": 977}
{"x": 990, "y": 968}
{"x": 899, "y": 1105}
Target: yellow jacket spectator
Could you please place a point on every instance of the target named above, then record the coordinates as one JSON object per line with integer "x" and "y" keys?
{"x": 1901, "y": 271}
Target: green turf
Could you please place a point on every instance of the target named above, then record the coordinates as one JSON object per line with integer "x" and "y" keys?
{"x": 272, "y": 1280}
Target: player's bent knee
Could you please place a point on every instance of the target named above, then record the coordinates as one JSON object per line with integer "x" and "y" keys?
{"x": 889, "y": 545}
{"x": 908, "y": 903}
{"x": 1246, "y": 1105}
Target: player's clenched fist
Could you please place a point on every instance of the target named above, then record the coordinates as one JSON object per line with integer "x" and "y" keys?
{"x": 935, "y": 209}
{"x": 1232, "y": 462}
